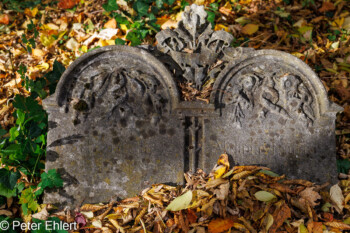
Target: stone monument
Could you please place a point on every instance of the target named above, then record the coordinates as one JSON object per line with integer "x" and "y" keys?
{"x": 117, "y": 122}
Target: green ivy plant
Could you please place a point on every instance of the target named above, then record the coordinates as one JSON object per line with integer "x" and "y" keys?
{"x": 142, "y": 23}
{"x": 23, "y": 148}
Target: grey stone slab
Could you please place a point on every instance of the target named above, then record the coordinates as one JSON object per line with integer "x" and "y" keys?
{"x": 118, "y": 124}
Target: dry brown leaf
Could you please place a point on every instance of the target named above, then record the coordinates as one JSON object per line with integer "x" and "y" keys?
{"x": 279, "y": 216}
{"x": 327, "y": 6}
{"x": 220, "y": 225}
{"x": 4, "y": 19}
{"x": 338, "y": 225}
{"x": 337, "y": 197}
{"x": 42, "y": 215}
{"x": 215, "y": 182}
{"x": 222, "y": 192}
{"x": 298, "y": 182}
{"x": 67, "y": 4}
{"x": 6, "y": 212}
{"x": 93, "y": 208}
{"x": 310, "y": 195}
{"x": 282, "y": 188}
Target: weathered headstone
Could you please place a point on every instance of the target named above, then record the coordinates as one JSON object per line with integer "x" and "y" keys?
{"x": 117, "y": 122}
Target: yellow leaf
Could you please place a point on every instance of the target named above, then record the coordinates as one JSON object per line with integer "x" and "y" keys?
{"x": 43, "y": 66}
{"x": 338, "y": 22}
{"x": 297, "y": 54}
{"x": 219, "y": 27}
{"x": 199, "y": 2}
{"x": 228, "y": 6}
{"x": 123, "y": 27}
{"x": 105, "y": 42}
{"x": 219, "y": 172}
{"x": 47, "y": 40}
{"x": 250, "y": 29}
{"x": 240, "y": 227}
{"x": 303, "y": 229}
{"x": 31, "y": 13}
{"x": 223, "y": 160}
{"x": 49, "y": 26}
{"x": 346, "y": 24}
{"x": 84, "y": 49}
{"x": 245, "y": 2}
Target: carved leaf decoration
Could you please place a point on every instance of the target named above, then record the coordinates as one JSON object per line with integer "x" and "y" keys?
{"x": 194, "y": 46}
{"x": 117, "y": 92}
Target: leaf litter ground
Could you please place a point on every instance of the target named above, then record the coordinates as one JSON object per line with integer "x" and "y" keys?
{"x": 241, "y": 199}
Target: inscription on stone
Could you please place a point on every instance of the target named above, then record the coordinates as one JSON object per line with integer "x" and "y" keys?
{"x": 118, "y": 124}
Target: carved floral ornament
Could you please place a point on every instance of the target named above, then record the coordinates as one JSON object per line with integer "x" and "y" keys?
{"x": 193, "y": 45}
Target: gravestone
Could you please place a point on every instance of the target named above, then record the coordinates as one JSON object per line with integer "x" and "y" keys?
{"x": 117, "y": 122}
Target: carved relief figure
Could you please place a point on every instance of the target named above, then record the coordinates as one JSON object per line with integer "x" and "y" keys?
{"x": 260, "y": 94}
{"x": 118, "y": 93}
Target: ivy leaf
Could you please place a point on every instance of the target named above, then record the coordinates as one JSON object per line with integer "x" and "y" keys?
{"x": 51, "y": 179}
{"x": 20, "y": 117}
{"x": 12, "y": 149}
{"x": 54, "y": 75}
{"x": 141, "y": 8}
{"x": 211, "y": 17}
{"x": 2, "y": 132}
{"x": 28, "y": 201}
{"x": 184, "y": 3}
{"x": 121, "y": 19}
{"x": 119, "y": 41}
{"x": 159, "y": 3}
{"x": 343, "y": 165}
{"x": 8, "y": 178}
{"x": 133, "y": 36}
{"x": 169, "y": 2}
{"x": 14, "y": 133}
{"x": 6, "y": 192}
{"x": 111, "y": 5}
{"x": 214, "y": 6}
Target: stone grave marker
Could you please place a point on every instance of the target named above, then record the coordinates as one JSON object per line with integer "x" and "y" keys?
{"x": 117, "y": 122}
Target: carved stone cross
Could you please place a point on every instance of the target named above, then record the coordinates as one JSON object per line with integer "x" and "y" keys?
{"x": 118, "y": 124}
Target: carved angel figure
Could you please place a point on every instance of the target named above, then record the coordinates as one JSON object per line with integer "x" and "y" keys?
{"x": 298, "y": 97}
{"x": 241, "y": 96}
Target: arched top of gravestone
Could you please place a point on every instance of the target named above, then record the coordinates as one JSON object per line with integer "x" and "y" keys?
{"x": 109, "y": 68}
{"x": 272, "y": 81}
